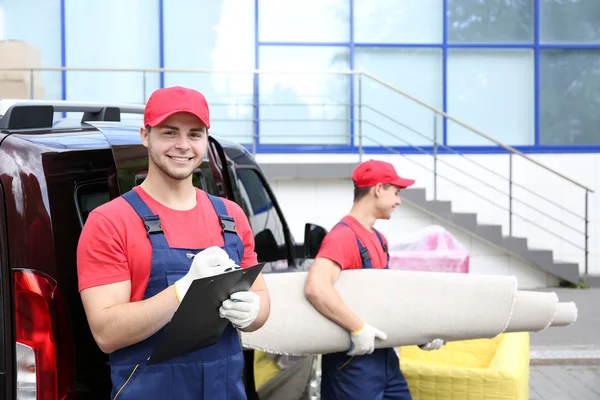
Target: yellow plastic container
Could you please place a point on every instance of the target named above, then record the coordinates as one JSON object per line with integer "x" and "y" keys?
{"x": 482, "y": 369}
{"x": 265, "y": 369}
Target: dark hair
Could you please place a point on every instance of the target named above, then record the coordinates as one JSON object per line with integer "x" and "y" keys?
{"x": 148, "y": 128}
{"x": 359, "y": 193}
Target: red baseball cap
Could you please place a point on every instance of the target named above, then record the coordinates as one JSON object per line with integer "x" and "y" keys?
{"x": 168, "y": 101}
{"x": 372, "y": 172}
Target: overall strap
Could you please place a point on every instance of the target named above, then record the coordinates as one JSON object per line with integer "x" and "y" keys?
{"x": 364, "y": 253}
{"x": 385, "y": 248}
{"x": 230, "y": 236}
{"x": 150, "y": 220}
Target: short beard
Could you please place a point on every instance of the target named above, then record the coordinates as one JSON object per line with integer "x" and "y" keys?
{"x": 162, "y": 167}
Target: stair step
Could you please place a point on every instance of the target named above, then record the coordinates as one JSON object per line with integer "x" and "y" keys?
{"x": 443, "y": 208}
{"x": 493, "y": 233}
{"x": 416, "y": 195}
{"x": 592, "y": 280}
{"x": 542, "y": 257}
{"x": 466, "y": 220}
{"x": 565, "y": 270}
{"x": 515, "y": 244}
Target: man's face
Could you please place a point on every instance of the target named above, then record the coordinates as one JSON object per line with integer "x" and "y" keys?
{"x": 388, "y": 197}
{"x": 177, "y": 146}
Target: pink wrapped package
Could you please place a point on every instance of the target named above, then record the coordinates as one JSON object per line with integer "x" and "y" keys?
{"x": 430, "y": 249}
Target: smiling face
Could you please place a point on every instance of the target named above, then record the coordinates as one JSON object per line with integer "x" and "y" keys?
{"x": 177, "y": 146}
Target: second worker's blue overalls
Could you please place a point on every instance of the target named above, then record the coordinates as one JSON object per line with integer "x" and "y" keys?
{"x": 375, "y": 376}
{"x": 211, "y": 373}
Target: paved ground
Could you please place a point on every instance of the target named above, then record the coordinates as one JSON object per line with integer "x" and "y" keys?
{"x": 585, "y": 331}
{"x": 564, "y": 382}
{"x": 565, "y": 362}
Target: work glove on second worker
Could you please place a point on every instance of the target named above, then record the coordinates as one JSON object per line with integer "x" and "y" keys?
{"x": 212, "y": 261}
{"x": 434, "y": 344}
{"x": 363, "y": 340}
{"x": 241, "y": 309}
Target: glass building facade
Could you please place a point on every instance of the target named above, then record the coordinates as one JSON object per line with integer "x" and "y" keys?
{"x": 526, "y": 72}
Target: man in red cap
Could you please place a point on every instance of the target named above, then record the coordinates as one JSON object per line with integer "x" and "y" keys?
{"x": 134, "y": 263}
{"x": 363, "y": 372}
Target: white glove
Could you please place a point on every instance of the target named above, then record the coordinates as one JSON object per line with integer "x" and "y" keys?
{"x": 435, "y": 344}
{"x": 363, "y": 340}
{"x": 209, "y": 262}
{"x": 212, "y": 264}
{"x": 241, "y": 308}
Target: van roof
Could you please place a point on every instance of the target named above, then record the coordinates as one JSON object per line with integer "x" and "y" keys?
{"x": 37, "y": 119}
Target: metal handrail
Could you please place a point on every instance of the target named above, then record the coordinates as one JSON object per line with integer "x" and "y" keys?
{"x": 450, "y": 149}
{"x": 309, "y": 72}
{"x": 423, "y": 151}
{"x": 476, "y": 131}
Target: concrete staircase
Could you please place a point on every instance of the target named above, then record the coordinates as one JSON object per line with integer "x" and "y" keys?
{"x": 492, "y": 234}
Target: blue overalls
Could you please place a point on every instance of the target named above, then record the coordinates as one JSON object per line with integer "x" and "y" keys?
{"x": 375, "y": 376}
{"x": 211, "y": 373}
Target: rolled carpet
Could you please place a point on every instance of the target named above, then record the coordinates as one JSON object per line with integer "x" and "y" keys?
{"x": 533, "y": 311}
{"x": 410, "y": 307}
{"x": 566, "y": 314}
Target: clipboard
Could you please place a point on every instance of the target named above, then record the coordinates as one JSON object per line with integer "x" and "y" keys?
{"x": 196, "y": 323}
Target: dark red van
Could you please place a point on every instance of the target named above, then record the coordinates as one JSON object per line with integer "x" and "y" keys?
{"x": 53, "y": 172}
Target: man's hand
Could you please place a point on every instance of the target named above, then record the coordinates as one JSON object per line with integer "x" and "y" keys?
{"x": 435, "y": 344}
{"x": 363, "y": 340}
{"x": 212, "y": 261}
{"x": 241, "y": 309}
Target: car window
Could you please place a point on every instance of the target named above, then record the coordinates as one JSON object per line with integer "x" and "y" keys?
{"x": 204, "y": 173}
{"x": 264, "y": 219}
{"x": 89, "y": 196}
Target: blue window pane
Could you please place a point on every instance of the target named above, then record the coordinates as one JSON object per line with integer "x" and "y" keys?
{"x": 37, "y": 23}
{"x": 492, "y": 91}
{"x": 471, "y": 21}
{"x": 570, "y": 21}
{"x": 304, "y": 108}
{"x": 393, "y": 21}
{"x": 214, "y": 35}
{"x": 111, "y": 34}
{"x": 569, "y": 102}
{"x": 388, "y": 117}
{"x": 304, "y": 21}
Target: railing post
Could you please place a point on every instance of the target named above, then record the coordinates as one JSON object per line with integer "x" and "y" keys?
{"x": 435, "y": 152}
{"x": 586, "y": 232}
{"x": 360, "y": 147}
{"x": 510, "y": 194}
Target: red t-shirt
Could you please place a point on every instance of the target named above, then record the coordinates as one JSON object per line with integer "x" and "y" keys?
{"x": 340, "y": 245}
{"x": 114, "y": 246}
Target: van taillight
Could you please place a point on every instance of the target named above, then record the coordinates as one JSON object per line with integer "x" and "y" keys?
{"x": 37, "y": 376}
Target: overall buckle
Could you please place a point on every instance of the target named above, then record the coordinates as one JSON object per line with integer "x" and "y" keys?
{"x": 228, "y": 224}
{"x": 152, "y": 224}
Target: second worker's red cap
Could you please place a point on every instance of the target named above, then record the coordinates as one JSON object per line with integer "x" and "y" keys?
{"x": 372, "y": 172}
{"x": 168, "y": 101}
